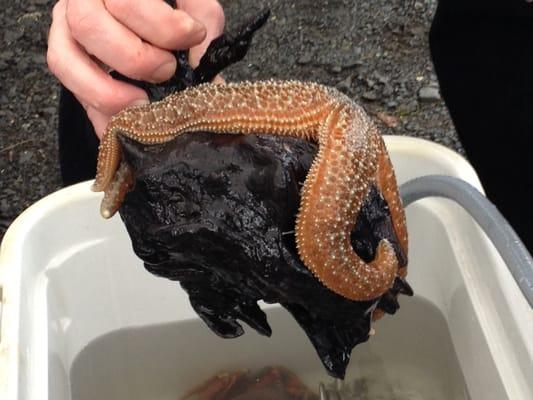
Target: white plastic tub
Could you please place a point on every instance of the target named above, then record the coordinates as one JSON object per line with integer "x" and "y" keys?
{"x": 82, "y": 319}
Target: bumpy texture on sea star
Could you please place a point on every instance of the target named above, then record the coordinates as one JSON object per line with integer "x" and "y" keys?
{"x": 351, "y": 157}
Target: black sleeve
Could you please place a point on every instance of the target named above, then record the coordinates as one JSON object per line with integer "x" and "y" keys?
{"x": 484, "y": 62}
{"x": 78, "y": 144}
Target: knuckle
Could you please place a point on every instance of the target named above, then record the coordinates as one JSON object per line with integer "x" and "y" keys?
{"x": 181, "y": 24}
{"x": 171, "y": 38}
{"x": 118, "y": 8}
{"x": 107, "y": 101}
{"x": 214, "y": 10}
{"x": 53, "y": 60}
{"x": 167, "y": 42}
{"x": 57, "y": 10}
{"x": 81, "y": 20}
{"x": 134, "y": 63}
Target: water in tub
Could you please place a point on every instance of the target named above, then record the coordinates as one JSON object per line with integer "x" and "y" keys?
{"x": 411, "y": 357}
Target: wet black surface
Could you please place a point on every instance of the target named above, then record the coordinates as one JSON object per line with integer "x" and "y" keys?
{"x": 225, "y": 230}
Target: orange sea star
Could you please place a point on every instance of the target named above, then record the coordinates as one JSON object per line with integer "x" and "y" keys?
{"x": 351, "y": 157}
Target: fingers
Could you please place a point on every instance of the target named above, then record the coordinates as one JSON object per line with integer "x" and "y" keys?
{"x": 99, "y": 120}
{"x": 81, "y": 75}
{"x": 129, "y": 36}
{"x": 211, "y": 14}
{"x": 101, "y": 35}
{"x": 158, "y": 23}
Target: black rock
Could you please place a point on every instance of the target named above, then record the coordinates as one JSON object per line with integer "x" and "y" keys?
{"x": 388, "y": 90}
{"x": 370, "y": 95}
{"x": 305, "y": 58}
{"x": 225, "y": 230}
{"x": 345, "y": 85}
{"x": 6, "y": 55}
{"x": 428, "y": 94}
{"x": 352, "y": 58}
{"x": 39, "y": 2}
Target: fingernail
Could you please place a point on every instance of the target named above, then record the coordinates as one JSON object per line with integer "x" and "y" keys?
{"x": 197, "y": 27}
{"x": 140, "y": 102}
{"x": 164, "y": 72}
{"x": 219, "y": 79}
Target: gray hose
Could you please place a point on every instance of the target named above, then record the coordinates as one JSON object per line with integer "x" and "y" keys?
{"x": 502, "y": 235}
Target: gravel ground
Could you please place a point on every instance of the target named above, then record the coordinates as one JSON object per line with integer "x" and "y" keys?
{"x": 376, "y": 51}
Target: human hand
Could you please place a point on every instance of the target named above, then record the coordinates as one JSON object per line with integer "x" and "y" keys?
{"x": 133, "y": 37}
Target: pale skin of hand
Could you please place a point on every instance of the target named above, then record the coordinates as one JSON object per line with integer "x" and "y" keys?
{"x": 133, "y": 37}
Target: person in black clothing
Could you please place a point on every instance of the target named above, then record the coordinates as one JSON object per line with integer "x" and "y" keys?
{"x": 483, "y": 58}
{"x": 482, "y": 55}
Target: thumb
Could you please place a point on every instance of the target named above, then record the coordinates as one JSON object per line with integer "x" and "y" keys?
{"x": 211, "y": 15}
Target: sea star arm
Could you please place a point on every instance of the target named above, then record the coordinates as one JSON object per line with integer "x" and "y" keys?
{"x": 351, "y": 157}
